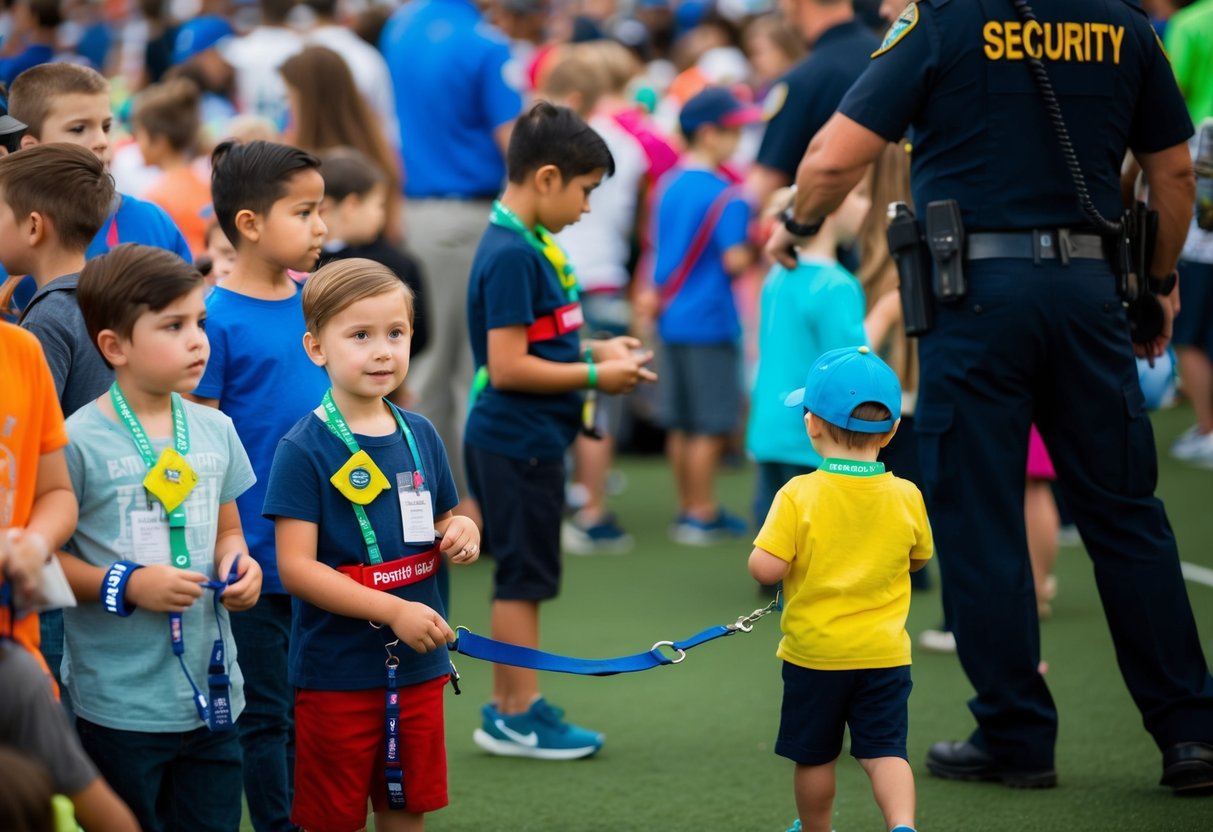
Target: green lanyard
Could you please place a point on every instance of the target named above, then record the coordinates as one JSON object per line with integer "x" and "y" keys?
{"x": 542, "y": 241}
{"x": 851, "y": 467}
{"x": 181, "y": 441}
{"x": 337, "y": 426}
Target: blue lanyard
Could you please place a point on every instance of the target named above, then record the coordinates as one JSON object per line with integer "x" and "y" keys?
{"x": 217, "y": 714}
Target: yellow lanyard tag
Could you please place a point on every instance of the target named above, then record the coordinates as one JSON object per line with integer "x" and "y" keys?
{"x": 360, "y": 480}
{"x": 171, "y": 479}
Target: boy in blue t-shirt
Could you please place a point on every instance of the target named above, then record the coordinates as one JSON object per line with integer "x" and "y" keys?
{"x": 267, "y": 200}
{"x": 524, "y": 318}
{"x": 149, "y": 657}
{"x": 363, "y": 566}
{"x": 699, "y": 233}
{"x": 70, "y": 103}
{"x": 818, "y": 306}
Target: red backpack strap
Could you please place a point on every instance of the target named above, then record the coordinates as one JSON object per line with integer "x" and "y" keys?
{"x": 699, "y": 243}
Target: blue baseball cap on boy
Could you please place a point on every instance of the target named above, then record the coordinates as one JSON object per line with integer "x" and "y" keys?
{"x": 198, "y": 35}
{"x": 718, "y": 106}
{"x": 841, "y": 380}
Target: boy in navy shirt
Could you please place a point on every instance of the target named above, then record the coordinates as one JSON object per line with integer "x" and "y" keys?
{"x": 267, "y": 200}
{"x": 699, "y": 232}
{"x": 524, "y": 318}
{"x": 363, "y": 565}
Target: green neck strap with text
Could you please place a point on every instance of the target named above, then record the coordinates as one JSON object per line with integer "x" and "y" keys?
{"x": 851, "y": 467}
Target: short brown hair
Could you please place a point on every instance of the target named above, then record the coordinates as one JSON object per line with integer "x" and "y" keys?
{"x": 576, "y": 72}
{"x": 170, "y": 109}
{"x": 117, "y": 288}
{"x": 66, "y": 183}
{"x": 35, "y": 90}
{"x": 342, "y": 283}
{"x": 869, "y": 412}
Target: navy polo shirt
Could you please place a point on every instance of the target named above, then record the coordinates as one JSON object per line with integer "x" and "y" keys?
{"x": 956, "y": 72}
{"x": 806, "y": 97}
{"x": 332, "y": 652}
{"x": 447, "y": 67}
{"x": 513, "y": 285}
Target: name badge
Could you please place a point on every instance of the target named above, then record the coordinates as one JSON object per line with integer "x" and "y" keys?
{"x": 416, "y": 511}
{"x": 149, "y": 538}
{"x": 569, "y": 318}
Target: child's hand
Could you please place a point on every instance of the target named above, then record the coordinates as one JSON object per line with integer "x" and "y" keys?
{"x": 621, "y": 346}
{"x": 420, "y": 627}
{"x": 22, "y": 556}
{"x": 242, "y": 593}
{"x": 163, "y": 588}
{"x": 621, "y": 375}
{"x": 460, "y": 540}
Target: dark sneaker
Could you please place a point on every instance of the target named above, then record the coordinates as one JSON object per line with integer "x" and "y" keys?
{"x": 691, "y": 531}
{"x": 602, "y": 538}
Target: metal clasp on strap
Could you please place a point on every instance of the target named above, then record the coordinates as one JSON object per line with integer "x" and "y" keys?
{"x": 745, "y": 623}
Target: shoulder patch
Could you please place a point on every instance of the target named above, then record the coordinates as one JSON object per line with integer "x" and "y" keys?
{"x": 1161, "y": 48}
{"x": 901, "y": 27}
{"x": 773, "y": 103}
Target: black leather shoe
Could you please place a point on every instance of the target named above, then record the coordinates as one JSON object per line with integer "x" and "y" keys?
{"x": 965, "y": 761}
{"x": 1188, "y": 769}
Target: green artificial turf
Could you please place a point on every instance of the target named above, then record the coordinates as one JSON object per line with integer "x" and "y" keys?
{"x": 689, "y": 747}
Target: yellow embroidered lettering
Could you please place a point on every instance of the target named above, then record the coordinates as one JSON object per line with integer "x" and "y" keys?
{"x": 1014, "y": 39}
{"x": 1073, "y": 40}
{"x": 1053, "y": 47}
{"x": 1086, "y": 41}
{"x": 992, "y": 32}
{"x": 1031, "y": 39}
{"x": 1118, "y": 35}
{"x": 1098, "y": 30}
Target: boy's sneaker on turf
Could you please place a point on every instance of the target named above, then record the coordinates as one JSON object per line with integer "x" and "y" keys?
{"x": 540, "y": 732}
{"x": 601, "y": 538}
{"x": 1194, "y": 446}
{"x": 691, "y": 531}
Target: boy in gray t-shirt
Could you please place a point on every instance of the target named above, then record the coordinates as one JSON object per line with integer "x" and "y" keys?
{"x": 158, "y": 558}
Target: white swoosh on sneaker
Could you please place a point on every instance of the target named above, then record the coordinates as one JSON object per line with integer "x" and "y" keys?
{"x": 530, "y": 740}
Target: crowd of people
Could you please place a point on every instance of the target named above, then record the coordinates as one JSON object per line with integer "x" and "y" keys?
{"x": 264, "y": 262}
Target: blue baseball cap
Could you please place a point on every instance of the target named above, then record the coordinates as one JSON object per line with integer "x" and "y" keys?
{"x": 198, "y": 35}
{"x": 719, "y": 106}
{"x": 841, "y": 380}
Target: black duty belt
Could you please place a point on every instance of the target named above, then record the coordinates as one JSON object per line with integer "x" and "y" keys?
{"x": 1036, "y": 245}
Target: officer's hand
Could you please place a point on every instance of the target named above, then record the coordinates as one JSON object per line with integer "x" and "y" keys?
{"x": 782, "y": 247}
{"x": 1155, "y": 349}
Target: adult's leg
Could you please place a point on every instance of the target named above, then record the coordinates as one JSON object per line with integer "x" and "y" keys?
{"x": 1096, "y": 426}
{"x": 973, "y": 416}
{"x": 266, "y": 727}
{"x": 443, "y": 234}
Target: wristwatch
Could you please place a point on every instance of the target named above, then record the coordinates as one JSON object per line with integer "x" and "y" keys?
{"x": 799, "y": 229}
{"x": 1164, "y": 285}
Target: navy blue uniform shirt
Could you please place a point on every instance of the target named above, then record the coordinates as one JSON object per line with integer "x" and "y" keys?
{"x": 957, "y": 74}
{"x": 513, "y": 285}
{"x": 332, "y": 652}
{"x": 806, "y": 97}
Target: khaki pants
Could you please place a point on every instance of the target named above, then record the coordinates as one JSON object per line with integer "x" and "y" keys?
{"x": 444, "y": 234}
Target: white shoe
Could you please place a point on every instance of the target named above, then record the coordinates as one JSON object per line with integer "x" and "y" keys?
{"x": 937, "y": 641}
{"x": 1192, "y": 445}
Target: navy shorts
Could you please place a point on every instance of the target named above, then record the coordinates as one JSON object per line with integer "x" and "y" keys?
{"x": 818, "y": 704}
{"x": 522, "y": 501}
{"x": 700, "y": 389}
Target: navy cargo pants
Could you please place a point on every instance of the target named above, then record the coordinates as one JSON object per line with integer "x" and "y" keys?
{"x": 1048, "y": 343}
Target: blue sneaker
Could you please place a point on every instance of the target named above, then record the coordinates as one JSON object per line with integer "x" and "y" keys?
{"x": 540, "y": 733}
{"x": 691, "y": 531}
{"x": 902, "y": 828}
{"x": 795, "y": 827}
{"x": 602, "y": 538}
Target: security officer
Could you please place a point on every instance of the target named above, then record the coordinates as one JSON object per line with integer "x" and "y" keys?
{"x": 1041, "y": 335}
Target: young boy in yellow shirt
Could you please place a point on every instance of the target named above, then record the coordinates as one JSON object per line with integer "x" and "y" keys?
{"x": 844, "y": 540}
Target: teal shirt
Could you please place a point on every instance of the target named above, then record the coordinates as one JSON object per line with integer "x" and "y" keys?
{"x": 817, "y": 306}
{"x": 121, "y": 672}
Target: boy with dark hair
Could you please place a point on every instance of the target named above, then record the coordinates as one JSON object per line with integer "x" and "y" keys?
{"x": 524, "y": 318}
{"x": 355, "y": 209}
{"x": 845, "y": 649}
{"x": 53, "y": 198}
{"x": 156, "y": 478}
{"x": 33, "y": 24}
{"x": 267, "y": 200}
{"x": 700, "y": 225}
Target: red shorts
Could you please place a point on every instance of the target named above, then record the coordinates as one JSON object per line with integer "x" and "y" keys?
{"x": 340, "y": 746}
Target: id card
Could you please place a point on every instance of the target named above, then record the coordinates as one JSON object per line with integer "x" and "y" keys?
{"x": 416, "y": 511}
{"x": 149, "y": 538}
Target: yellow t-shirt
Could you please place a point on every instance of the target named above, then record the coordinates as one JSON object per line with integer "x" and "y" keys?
{"x": 849, "y": 540}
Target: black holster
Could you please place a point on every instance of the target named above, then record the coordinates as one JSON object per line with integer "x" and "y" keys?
{"x": 909, "y": 252}
{"x": 1134, "y": 252}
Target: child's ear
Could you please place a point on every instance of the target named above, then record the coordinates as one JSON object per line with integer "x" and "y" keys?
{"x": 813, "y": 425}
{"x": 28, "y": 141}
{"x": 110, "y": 345}
{"x": 311, "y": 345}
{"x": 35, "y": 231}
{"x": 548, "y": 180}
{"x": 248, "y": 224}
{"x": 888, "y": 437}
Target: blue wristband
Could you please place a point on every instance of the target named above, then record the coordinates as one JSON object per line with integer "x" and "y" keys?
{"x": 113, "y": 588}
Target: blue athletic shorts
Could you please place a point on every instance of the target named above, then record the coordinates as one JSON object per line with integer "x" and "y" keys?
{"x": 818, "y": 704}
